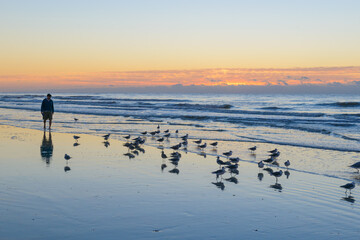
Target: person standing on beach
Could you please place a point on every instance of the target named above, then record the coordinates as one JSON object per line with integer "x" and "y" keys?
{"x": 47, "y": 110}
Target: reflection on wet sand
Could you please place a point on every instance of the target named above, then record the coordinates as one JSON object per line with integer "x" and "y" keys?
{"x": 46, "y": 148}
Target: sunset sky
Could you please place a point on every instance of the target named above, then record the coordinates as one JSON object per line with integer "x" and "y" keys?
{"x": 74, "y": 44}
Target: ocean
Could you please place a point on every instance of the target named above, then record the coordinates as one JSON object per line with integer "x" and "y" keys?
{"x": 317, "y": 121}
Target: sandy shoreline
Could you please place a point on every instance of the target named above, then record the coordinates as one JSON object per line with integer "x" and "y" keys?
{"x": 107, "y": 195}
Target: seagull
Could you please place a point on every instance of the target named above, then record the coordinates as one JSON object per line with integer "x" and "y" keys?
{"x": 287, "y": 163}
{"x": 273, "y": 151}
{"x": 163, "y": 155}
{"x": 277, "y": 174}
{"x": 234, "y": 160}
{"x": 233, "y": 166}
{"x": 220, "y": 162}
{"x": 348, "y": 186}
{"x": 252, "y": 148}
{"x": 176, "y": 147}
{"x": 76, "y": 119}
{"x": 219, "y": 172}
{"x": 202, "y": 146}
{"x": 275, "y": 154}
{"x": 107, "y": 135}
{"x": 67, "y": 157}
{"x": 76, "y": 137}
{"x": 185, "y": 137}
{"x": 214, "y": 144}
{"x": 198, "y": 141}
{"x": 160, "y": 140}
{"x": 356, "y": 166}
{"x": 127, "y": 137}
{"x": 269, "y": 160}
{"x": 260, "y": 164}
{"x": 228, "y": 154}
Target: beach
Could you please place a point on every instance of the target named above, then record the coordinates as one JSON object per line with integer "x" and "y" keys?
{"x": 104, "y": 194}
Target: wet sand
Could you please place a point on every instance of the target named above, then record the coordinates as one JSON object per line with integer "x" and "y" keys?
{"x": 106, "y": 195}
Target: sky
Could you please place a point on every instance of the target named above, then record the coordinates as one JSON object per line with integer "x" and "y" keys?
{"x": 100, "y": 44}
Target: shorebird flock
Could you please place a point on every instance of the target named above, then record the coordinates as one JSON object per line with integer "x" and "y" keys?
{"x": 226, "y": 162}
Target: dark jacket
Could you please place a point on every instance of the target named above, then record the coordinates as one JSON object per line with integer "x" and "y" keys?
{"x": 47, "y": 106}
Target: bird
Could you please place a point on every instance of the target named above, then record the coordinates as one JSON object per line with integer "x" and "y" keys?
{"x": 158, "y": 127}
{"x": 260, "y": 176}
{"x": 185, "y": 137}
{"x": 273, "y": 151}
{"x": 76, "y": 137}
{"x": 166, "y": 131}
{"x": 106, "y": 144}
{"x": 127, "y": 137}
{"x": 198, "y": 141}
{"x": 356, "y": 166}
{"x": 277, "y": 174}
{"x": 177, "y": 131}
{"x": 214, "y": 144}
{"x": 106, "y": 135}
{"x": 130, "y": 155}
{"x": 348, "y": 186}
{"x": 144, "y": 133}
{"x": 233, "y": 166}
{"x": 260, "y": 164}
{"x": 219, "y": 161}
{"x": 160, "y": 140}
{"x": 234, "y": 160}
{"x": 153, "y": 133}
{"x": 176, "y": 147}
{"x": 167, "y": 135}
{"x": 287, "y": 163}
{"x": 228, "y": 154}
{"x": 76, "y": 119}
{"x": 163, "y": 155}
{"x": 252, "y": 148}
{"x": 67, "y": 157}
{"x": 275, "y": 154}
{"x": 202, "y": 146}
{"x": 219, "y": 172}
{"x": 269, "y": 160}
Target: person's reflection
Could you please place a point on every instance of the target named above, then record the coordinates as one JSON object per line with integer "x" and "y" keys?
{"x": 46, "y": 148}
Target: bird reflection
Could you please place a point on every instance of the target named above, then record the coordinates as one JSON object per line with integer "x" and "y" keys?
{"x": 277, "y": 186}
{"x": 163, "y": 166}
{"x": 287, "y": 174}
{"x": 76, "y": 144}
{"x": 46, "y": 148}
{"x": 220, "y": 185}
{"x": 106, "y": 144}
{"x": 175, "y": 170}
{"x": 260, "y": 176}
{"x": 348, "y": 198}
{"x": 232, "y": 179}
